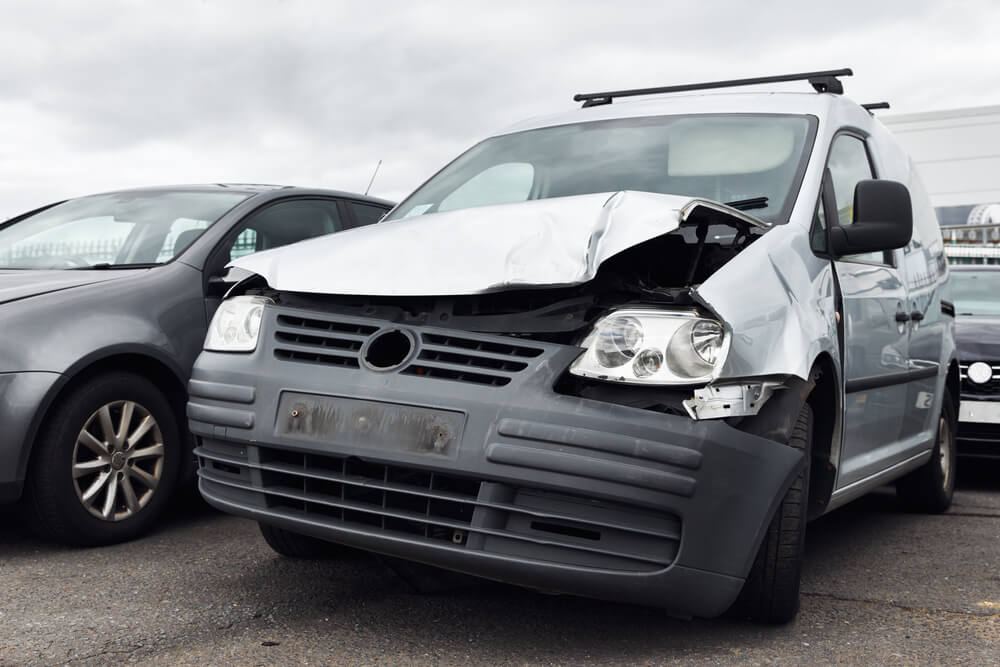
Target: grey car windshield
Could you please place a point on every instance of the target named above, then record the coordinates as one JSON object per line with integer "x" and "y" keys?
{"x": 121, "y": 229}
{"x": 975, "y": 292}
{"x": 726, "y": 158}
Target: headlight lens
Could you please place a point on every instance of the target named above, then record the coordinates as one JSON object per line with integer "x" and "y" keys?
{"x": 618, "y": 341}
{"x": 236, "y": 324}
{"x": 653, "y": 347}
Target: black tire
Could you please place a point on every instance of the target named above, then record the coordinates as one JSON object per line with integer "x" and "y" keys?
{"x": 295, "y": 545}
{"x": 930, "y": 487}
{"x": 771, "y": 591}
{"x": 54, "y": 497}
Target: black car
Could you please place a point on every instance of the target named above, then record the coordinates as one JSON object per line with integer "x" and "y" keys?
{"x": 105, "y": 303}
{"x": 976, "y": 290}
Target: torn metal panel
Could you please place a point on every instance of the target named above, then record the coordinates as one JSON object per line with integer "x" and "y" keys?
{"x": 543, "y": 243}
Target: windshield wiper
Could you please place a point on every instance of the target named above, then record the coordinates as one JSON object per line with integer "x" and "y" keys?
{"x": 102, "y": 266}
{"x": 748, "y": 204}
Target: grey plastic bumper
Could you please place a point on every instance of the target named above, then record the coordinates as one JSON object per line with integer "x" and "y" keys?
{"x": 538, "y": 489}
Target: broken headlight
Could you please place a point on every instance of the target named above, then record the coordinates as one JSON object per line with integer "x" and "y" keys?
{"x": 653, "y": 347}
{"x": 236, "y": 324}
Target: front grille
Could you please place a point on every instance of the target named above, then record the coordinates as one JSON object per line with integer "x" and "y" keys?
{"x": 462, "y": 358}
{"x": 991, "y": 388}
{"x": 455, "y": 511}
{"x": 470, "y": 360}
{"x": 320, "y": 341}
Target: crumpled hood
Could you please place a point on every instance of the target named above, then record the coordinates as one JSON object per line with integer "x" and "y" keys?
{"x": 24, "y": 283}
{"x": 547, "y": 242}
{"x": 977, "y": 338}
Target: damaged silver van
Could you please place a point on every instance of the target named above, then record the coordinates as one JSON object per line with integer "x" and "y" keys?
{"x": 624, "y": 352}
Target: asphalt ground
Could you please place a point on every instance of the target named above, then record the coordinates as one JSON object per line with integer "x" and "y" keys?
{"x": 881, "y": 586}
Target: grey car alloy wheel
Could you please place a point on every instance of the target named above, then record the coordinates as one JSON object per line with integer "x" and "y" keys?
{"x": 118, "y": 460}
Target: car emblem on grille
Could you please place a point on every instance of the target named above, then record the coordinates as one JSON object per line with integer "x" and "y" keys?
{"x": 979, "y": 372}
{"x": 388, "y": 349}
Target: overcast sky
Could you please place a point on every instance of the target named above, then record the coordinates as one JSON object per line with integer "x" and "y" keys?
{"x": 106, "y": 94}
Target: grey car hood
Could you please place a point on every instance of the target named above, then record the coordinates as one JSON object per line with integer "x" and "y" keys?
{"x": 24, "y": 283}
{"x": 547, "y": 242}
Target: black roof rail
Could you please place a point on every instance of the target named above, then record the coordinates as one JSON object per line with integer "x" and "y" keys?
{"x": 823, "y": 82}
{"x": 872, "y": 106}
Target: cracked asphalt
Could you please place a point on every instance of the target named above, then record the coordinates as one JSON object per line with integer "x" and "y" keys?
{"x": 880, "y": 587}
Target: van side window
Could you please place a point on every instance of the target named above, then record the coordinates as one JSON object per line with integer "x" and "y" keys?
{"x": 848, "y": 164}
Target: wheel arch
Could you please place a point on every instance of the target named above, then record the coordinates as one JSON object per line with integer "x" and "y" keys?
{"x": 151, "y": 364}
{"x": 826, "y": 400}
{"x": 776, "y": 419}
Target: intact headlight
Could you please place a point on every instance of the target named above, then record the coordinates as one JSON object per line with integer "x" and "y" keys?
{"x": 653, "y": 347}
{"x": 236, "y": 324}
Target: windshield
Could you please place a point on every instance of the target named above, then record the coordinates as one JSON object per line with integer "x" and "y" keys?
{"x": 122, "y": 229}
{"x": 975, "y": 292}
{"x": 726, "y": 158}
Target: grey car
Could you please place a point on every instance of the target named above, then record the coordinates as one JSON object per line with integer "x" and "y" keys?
{"x": 625, "y": 352}
{"x": 105, "y": 302}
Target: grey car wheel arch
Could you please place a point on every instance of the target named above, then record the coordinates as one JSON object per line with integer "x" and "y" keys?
{"x": 143, "y": 359}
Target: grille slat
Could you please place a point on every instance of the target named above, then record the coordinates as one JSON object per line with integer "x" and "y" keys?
{"x": 316, "y": 341}
{"x": 425, "y": 505}
{"x": 455, "y": 372}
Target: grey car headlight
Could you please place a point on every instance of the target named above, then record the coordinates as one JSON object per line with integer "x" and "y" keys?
{"x": 653, "y": 347}
{"x": 235, "y": 326}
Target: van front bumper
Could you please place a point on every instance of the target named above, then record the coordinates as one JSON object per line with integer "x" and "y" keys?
{"x": 503, "y": 479}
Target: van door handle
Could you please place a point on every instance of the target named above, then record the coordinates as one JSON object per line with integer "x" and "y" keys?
{"x": 902, "y": 317}
{"x": 916, "y": 316}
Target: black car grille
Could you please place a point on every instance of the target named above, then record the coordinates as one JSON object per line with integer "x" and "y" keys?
{"x": 463, "y": 358}
{"x": 990, "y": 388}
{"x": 460, "y": 512}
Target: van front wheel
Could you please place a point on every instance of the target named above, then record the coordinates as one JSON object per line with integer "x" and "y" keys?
{"x": 771, "y": 591}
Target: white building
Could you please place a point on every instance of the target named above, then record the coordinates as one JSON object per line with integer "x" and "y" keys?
{"x": 958, "y": 155}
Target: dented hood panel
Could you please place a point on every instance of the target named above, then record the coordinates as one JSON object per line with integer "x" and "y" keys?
{"x": 548, "y": 242}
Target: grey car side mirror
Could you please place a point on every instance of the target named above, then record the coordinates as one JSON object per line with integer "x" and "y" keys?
{"x": 883, "y": 219}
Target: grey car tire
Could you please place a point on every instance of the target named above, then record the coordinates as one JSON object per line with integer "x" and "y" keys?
{"x": 930, "y": 487}
{"x": 771, "y": 591}
{"x": 295, "y": 545}
{"x": 105, "y": 462}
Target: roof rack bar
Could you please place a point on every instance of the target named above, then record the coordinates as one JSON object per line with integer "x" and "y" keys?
{"x": 825, "y": 81}
{"x": 872, "y": 106}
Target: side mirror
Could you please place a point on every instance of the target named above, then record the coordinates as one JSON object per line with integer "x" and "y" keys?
{"x": 883, "y": 220}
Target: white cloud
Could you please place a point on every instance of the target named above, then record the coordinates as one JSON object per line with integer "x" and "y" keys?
{"x": 107, "y": 94}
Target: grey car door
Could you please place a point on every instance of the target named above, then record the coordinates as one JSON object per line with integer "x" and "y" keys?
{"x": 271, "y": 226}
{"x": 876, "y": 360}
